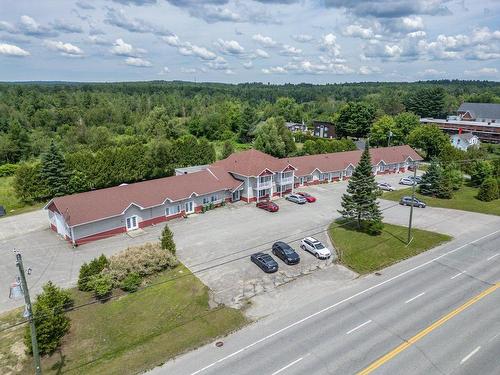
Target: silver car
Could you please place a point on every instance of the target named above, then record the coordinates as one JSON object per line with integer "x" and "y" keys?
{"x": 295, "y": 198}
{"x": 385, "y": 186}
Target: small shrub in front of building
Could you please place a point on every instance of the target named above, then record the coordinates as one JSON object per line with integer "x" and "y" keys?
{"x": 131, "y": 282}
{"x": 101, "y": 285}
{"x": 167, "y": 239}
{"x": 87, "y": 270}
{"x": 144, "y": 260}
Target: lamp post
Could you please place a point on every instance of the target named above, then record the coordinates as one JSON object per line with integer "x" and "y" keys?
{"x": 18, "y": 288}
{"x": 412, "y": 201}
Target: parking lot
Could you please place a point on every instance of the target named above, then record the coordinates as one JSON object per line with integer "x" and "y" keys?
{"x": 217, "y": 245}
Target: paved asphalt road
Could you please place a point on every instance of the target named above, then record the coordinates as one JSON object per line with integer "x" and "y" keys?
{"x": 436, "y": 313}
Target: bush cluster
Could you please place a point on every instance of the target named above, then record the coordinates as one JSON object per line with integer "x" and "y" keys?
{"x": 88, "y": 271}
{"x": 8, "y": 169}
{"x": 489, "y": 190}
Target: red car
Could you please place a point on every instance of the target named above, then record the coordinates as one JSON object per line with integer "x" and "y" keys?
{"x": 268, "y": 206}
{"x": 308, "y": 197}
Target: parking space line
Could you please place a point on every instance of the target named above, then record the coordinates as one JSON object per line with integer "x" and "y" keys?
{"x": 464, "y": 359}
{"x": 458, "y": 274}
{"x": 289, "y": 365}
{"x": 358, "y": 327}
{"x": 414, "y": 298}
{"x": 494, "y": 256}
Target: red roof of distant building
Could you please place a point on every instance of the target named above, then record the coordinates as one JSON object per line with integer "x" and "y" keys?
{"x": 252, "y": 163}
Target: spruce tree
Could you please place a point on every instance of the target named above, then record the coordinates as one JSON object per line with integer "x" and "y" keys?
{"x": 54, "y": 171}
{"x": 432, "y": 179}
{"x": 167, "y": 240}
{"x": 360, "y": 201}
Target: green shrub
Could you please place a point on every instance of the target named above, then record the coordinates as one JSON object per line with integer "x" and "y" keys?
{"x": 101, "y": 285}
{"x": 8, "y": 170}
{"x": 50, "y": 321}
{"x": 131, "y": 282}
{"x": 144, "y": 260}
{"x": 489, "y": 190}
{"x": 479, "y": 171}
{"x": 93, "y": 268}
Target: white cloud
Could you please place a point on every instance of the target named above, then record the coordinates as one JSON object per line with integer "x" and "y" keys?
{"x": 121, "y": 48}
{"x": 329, "y": 44}
{"x": 274, "y": 69}
{"x": 482, "y": 72}
{"x": 265, "y": 41}
{"x": 288, "y": 50}
{"x": 367, "y": 70}
{"x": 261, "y": 53}
{"x": 219, "y": 63}
{"x": 164, "y": 71}
{"x": 189, "y": 49}
{"x": 12, "y": 50}
{"x": 248, "y": 65}
{"x": 358, "y": 31}
{"x": 137, "y": 61}
{"x": 231, "y": 47}
{"x": 412, "y": 23}
{"x": 65, "y": 49}
{"x": 302, "y": 38}
{"x": 431, "y": 73}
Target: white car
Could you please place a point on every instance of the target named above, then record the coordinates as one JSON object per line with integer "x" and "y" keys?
{"x": 315, "y": 247}
{"x": 385, "y": 186}
{"x": 407, "y": 181}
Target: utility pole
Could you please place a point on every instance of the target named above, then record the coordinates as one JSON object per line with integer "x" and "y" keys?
{"x": 389, "y": 140}
{"x": 27, "y": 300}
{"x": 412, "y": 201}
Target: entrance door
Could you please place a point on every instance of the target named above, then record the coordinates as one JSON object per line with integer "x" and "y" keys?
{"x": 189, "y": 207}
{"x": 301, "y": 181}
{"x": 132, "y": 223}
{"x": 236, "y": 196}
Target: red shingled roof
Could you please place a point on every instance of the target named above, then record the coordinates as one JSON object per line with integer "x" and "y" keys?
{"x": 251, "y": 163}
{"x": 340, "y": 160}
{"x": 99, "y": 204}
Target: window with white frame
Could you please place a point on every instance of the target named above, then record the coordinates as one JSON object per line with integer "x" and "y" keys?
{"x": 263, "y": 193}
{"x": 214, "y": 197}
{"x": 206, "y": 200}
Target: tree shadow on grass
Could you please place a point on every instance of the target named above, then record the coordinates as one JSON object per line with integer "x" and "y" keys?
{"x": 58, "y": 367}
{"x": 353, "y": 227}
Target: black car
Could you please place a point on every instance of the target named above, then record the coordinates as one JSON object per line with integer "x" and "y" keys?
{"x": 285, "y": 253}
{"x": 406, "y": 201}
{"x": 265, "y": 262}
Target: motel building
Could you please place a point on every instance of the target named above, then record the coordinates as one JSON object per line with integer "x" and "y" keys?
{"x": 248, "y": 176}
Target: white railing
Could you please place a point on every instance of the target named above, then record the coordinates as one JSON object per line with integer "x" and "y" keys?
{"x": 264, "y": 185}
{"x": 285, "y": 181}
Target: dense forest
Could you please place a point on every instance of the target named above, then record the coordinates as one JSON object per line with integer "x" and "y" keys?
{"x": 103, "y": 134}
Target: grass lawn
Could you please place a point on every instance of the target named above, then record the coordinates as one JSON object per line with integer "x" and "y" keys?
{"x": 9, "y": 200}
{"x": 135, "y": 332}
{"x": 464, "y": 199}
{"x": 364, "y": 253}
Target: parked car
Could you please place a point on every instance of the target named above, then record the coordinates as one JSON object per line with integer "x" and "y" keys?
{"x": 417, "y": 179}
{"x": 268, "y": 205}
{"x": 385, "y": 186}
{"x": 295, "y": 198}
{"x": 308, "y": 196}
{"x": 2, "y": 211}
{"x": 265, "y": 262}
{"x": 315, "y": 247}
{"x": 407, "y": 181}
{"x": 285, "y": 253}
{"x": 406, "y": 201}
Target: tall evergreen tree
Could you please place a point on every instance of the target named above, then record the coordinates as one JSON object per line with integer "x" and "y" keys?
{"x": 431, "y": 179}
{"x": 54, "y": 171}
{"x": 227, "y": 149}
{"x": 360, "y": 201}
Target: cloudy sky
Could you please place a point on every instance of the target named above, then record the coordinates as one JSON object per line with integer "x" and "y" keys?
{"x": 276, "y": 41}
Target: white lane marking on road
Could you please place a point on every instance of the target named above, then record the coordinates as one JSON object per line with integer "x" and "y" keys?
{"x": 494, "y": 256}
{"x": 458, "y": 274}
{"x": 358, "y": 327}
{"x": 289, "y": 365}
{"x": 298, "y": 322}
{"x": 494, "y": 337}
{"x": 464, "y": 359}
{"x": 414, "y": 298}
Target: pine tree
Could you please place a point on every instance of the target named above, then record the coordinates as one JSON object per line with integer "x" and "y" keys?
{"x": 167, "y": 240}
{"x": 360, "y": 201}
{"x": 431, "y": 179}
{"x": 54, "y": 171}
